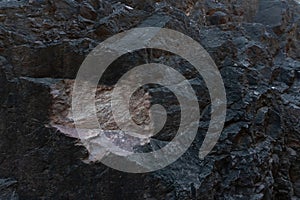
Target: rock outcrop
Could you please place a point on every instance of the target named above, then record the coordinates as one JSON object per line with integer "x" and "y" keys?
{"x": 255, "y": 45}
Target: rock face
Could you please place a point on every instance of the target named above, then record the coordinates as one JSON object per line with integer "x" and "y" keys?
{"x": 7, "y": 188}
{"x": 255, "y": 45}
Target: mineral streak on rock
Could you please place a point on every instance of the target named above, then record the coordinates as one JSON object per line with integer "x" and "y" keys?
{"x": 62, "y": 119}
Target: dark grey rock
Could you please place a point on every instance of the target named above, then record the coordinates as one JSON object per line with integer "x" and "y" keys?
{"x": 8, "y": 189}
{"x": 255, "y": 44}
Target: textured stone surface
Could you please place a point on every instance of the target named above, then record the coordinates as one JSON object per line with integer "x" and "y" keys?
{"x": 254, "y": 43}
{"x": 8, "y": 189}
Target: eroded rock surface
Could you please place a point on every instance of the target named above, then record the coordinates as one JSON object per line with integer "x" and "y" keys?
{"x": 255, "y": 44}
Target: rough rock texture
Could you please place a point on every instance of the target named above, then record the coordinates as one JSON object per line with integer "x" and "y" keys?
{"x": 254, "y": 43}
{"x": 7, "y": 189}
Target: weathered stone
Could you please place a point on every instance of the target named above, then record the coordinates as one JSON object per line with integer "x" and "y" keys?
{"x": 88, "y": 12}
{"x": 218, "y": 18}
{"x": 8, "y": 189}
{"x": 255, "y": 44}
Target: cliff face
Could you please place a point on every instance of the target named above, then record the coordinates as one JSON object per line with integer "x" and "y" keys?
{"x": 255, "y": 45}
